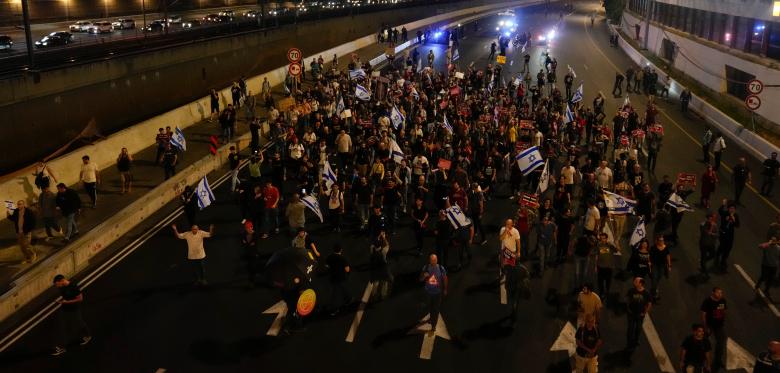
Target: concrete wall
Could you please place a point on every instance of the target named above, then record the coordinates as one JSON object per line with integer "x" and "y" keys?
{"x": 755, "y": 145}
{"x": 759, "y": 9}
{"x": 76, "y": 256}
{"x": 707, "y": 65}
{"x": 117, "y": 93}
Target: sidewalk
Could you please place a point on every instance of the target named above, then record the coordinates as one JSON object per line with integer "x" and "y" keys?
{"x": 146, "y": 177}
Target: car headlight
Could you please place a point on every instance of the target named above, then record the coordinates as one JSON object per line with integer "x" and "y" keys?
{"x": 501, "y": 23}
{"x": 498, "y": 28}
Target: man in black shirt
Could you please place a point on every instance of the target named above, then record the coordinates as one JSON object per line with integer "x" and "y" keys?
{"x": 769, "y": 170}
{"x": 713, "y": 317}
{"x": 589, "y": 341}
{"x": 443, "y": 232}
{"x": 729, "y": 222}
{"x": 169, "y": 160}
{"x": 70, "y": 314}
{"x": 638, "y": 306}
{"x": 695, "y": 351}
{"x": 741, "y": 178}
{"x": 338, "y": 268}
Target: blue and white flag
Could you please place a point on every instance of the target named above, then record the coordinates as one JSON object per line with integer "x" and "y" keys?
{"x": 178, "y": 141}
{"x": 529, "y": 160}
{"x": 396, "y": 117}
{"x": 569, "y": 115}
{"x": 340, "y": 106}
{"x": 447, "y": 125}
{"x": 419, "y": 65}
{"x": 617, "y": 204}
{"x": 362, "y": 93}
{"x": 395, "y": 152}
{"x": 577, "y": 96}
{"x": 456, "y": 217}
{"x": 455, "y": 55}
{"x": 638, "y": 234}
{"x": 678, "y": 203}
{"x": 10, "y": 205}
{"x": 204, "y": 193}
{"x": 544, "y": 180}
{"x": 357, "y": 74}
{"x": 313, "y": 205}
{"x": 328, "y": 176}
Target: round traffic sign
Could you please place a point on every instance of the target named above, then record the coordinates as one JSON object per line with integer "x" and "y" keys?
{"x": 294, "y": 55}
{"x": 294, "y": 69}
{"x": 755, "y": 86}
{"x": 753, "y": 102}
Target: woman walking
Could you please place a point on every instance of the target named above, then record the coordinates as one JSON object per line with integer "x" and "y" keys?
{"x": 709, "y": 180}
{"x": 123, "y": 163}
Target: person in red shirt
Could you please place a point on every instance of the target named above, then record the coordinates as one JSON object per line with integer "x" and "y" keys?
{"x": 459, "y": 197}
{"x": 524, "y": 223}
{"x": 271, "y": 197}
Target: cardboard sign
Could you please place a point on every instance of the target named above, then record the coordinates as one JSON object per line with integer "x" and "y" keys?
{"x": 638, "y": 133}
{"x": 529, "y": 200}
{"x": 657, "y": 128}
{"x": 459, "y": 75}
{"x": 444, "y": 164}
{"x": 285, "y": 103}
{"x": 500, "y": 59}
{"x": 527, "y": 124}
{"x": 687, "y": 179}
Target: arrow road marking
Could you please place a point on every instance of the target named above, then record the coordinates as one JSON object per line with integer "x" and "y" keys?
{"x": 566, "y": 340}
{"x": 752, "y": 284}
{"x": 359, "y": 313}
{"x": 429, "y": 336}
{"x": 658, "y": 348}
{"x": 280, "y": 309}
{"x": 738, "y": 358}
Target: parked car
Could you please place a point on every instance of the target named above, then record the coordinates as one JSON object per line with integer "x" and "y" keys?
{"x": 225, "y": 19}
{"x": 54, "y": 39}
{"x": 190, "y": 23}
{"x": 101, "y": 28}
{"x": 252, "y": 14}
{"x": 174, "y": 19}
{"x": 156, "y": 25}
{"x": 5, "y": 42}
{"x": 227, "y": 13}
{"x": 81, "y": 26}
{"x": 123, "y": 23}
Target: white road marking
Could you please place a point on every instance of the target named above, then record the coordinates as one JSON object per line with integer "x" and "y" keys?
{"x": 359, "y": 313}
{"x": 658, "y": 348}
{"x": 752, "y": 284}
{"x": 280, "y": 309}
{"x": 566, "y": 340}
{"x": 585, "y": 66}
{"x": 502, "y": 288}
{"x": 429, "y": 338}
{"x": 738, "y": 358}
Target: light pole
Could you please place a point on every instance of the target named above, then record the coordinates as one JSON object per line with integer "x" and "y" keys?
{"x": 648, "y": 15}
{"x": 28, "y": 34}
{"x": 143, "y": 12}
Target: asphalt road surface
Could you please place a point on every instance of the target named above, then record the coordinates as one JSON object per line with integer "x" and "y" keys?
{"x": 146, "y": 317}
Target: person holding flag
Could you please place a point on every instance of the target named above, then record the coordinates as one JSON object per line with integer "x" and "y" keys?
{"x": 178, "y": 141}
{"x": 328, "y": 176}
{"x": 447, "y": 125}
{"x": 396, "y": 117}
{"x": 395, "y": 152}
{"x": 544, "y": 179}
{"x": 204, "y": 193}
{"x": 578, "y": 95}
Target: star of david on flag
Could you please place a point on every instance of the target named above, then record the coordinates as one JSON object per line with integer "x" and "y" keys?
{"x": 529, "y": 160}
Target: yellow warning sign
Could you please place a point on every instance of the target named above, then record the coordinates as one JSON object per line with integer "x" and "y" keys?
{"x": 500, "y": 59}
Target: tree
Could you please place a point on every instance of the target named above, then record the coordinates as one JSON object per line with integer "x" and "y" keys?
{"x": 614, "y": 9}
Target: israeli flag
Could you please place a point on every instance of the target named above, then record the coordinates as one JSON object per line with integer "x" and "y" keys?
{"x": 638, "y": 234}
{"x": 419, "y": 65}
{"x": 456, "y": 217}
{"x": 447, "y": 125}
{"x": 617, "y": 204}
{"x": 569, "y": 114}
{"x": 178, "y": 141}
{"x": 455, "y": 55}
{"x": 313, "y": 205}
{"x": 10, "y": 205}
{"x": 544, "y": 180}
{"x": 678, "y": 203}
{"x": 357, "y": 74}
{"x": 395, "y": 152}
{"x": 204, "y": 193}
{"x": 396, "y": 117}
{"x": 577, "y": 96}
{"x": 529, "y": 160}
{"x": 328, "y": 176}
{"x": 362, "y": 93}
{"x": 340, "y": 106}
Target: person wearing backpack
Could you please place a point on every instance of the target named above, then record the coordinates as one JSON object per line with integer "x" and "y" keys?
{"x": 434, "y": 278}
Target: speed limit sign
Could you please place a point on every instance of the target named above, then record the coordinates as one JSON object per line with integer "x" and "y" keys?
{"x": 294, "y": 55}
{"x": 753, "y": 102}
{"x": 755, "y": 86}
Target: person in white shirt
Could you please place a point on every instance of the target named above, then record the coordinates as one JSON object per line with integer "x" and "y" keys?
{"x": 604, "y": 176}
{"x": 343, "y": 147}
{"x": 538, "y": 138}
{"x": 296, "y": 149}
{"x": 90, "y": 177}
{"x": 419, "y": 165}
{"x": 510, "y": 237}
{"x": 196, "y": 253}
{"x": 592, "y": 217}
{"x": 718, "y": 146}
{"x": 508, "y": 258}
{"x": 567, "y": 173}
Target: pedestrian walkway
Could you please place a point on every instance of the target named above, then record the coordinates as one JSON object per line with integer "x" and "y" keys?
{"x": 146, "y": 174}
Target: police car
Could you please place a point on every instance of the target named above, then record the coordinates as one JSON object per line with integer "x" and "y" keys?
{"x": 507, "y": 25}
